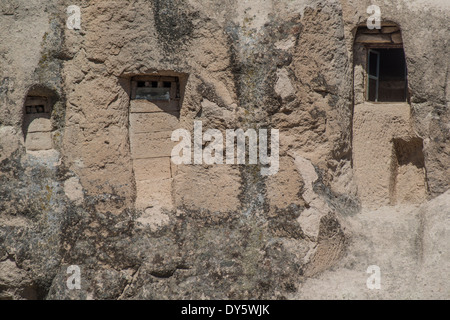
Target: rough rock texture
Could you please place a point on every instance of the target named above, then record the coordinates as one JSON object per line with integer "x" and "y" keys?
{"x": 384, "y": 171}
{"x": 405, "y": 242}
{"x": 226, "y": 231}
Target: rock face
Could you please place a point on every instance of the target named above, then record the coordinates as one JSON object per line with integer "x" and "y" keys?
{"x": 405, "y": 243}
{"x": 88, "y": 186}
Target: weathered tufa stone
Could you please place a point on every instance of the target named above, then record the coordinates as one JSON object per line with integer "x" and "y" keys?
{"x": 397, "y": 37}
{"x": 210, "y": 232}
{"x": 371, "y": 31}
{"x": 36, "y": 141}
{"x": 151, "y": 145}
{"x": 154, "y": 193}
{"x": 152, "y": 168}
{"x": 284, "y": 87}
{"x": 389, "y": 29}
{"x": 74, "y": 190}
{"x": 373, "y": 38}
{"x": 39, "y": 124}
{"x": 140, "y": 106}
{"x": 153, "y": 122}
{"x": 7, "y": 7}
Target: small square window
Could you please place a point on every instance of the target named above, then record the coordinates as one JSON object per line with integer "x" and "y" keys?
{"x": 36, "y": 105}
{"x": 155, "y": 88}
{"x": 30, "y": 110}
{"x": 35, "y": 109}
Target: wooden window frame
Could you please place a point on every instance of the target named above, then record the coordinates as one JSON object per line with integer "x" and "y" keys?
{"x": 373, "y": 48}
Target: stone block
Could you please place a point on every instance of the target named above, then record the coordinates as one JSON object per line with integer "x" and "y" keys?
{"x": 370, "y": 31}
{"x": 154, "y": 193}
{"x": 389, "y": 29}
{"x": 151, "y": 145}
{"x": 34, "y": 123}
{"x": 216, "y": 188}
{"x": 373, "y": 38}
{"x": 36, "y": 141}
{"x": 153, "y": 122}
{"x": 397, "y": 37}
{"x": 152, "y": 168}
{"x": 148, "y": 106}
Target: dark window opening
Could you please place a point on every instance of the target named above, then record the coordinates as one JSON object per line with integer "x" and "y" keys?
{"x": 37, "y": 125}
{"x": 156, "y": 88}
{"x": 35, "y": 109}
{"x": 387, "y": 80}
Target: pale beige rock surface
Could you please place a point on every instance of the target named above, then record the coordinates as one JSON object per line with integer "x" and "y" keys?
{"x": 103, "y": 196}
{"x": 408, "y": 243}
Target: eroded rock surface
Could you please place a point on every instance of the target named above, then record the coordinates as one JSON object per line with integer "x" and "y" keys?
{"x": 214, "y": 231}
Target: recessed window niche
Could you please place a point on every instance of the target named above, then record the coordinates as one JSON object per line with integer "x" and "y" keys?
{"x": 154, "y": 114}
{"x": 37, "y": 123}
{"x": 380, "y": 65}
{"x": 387, "y": 155}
